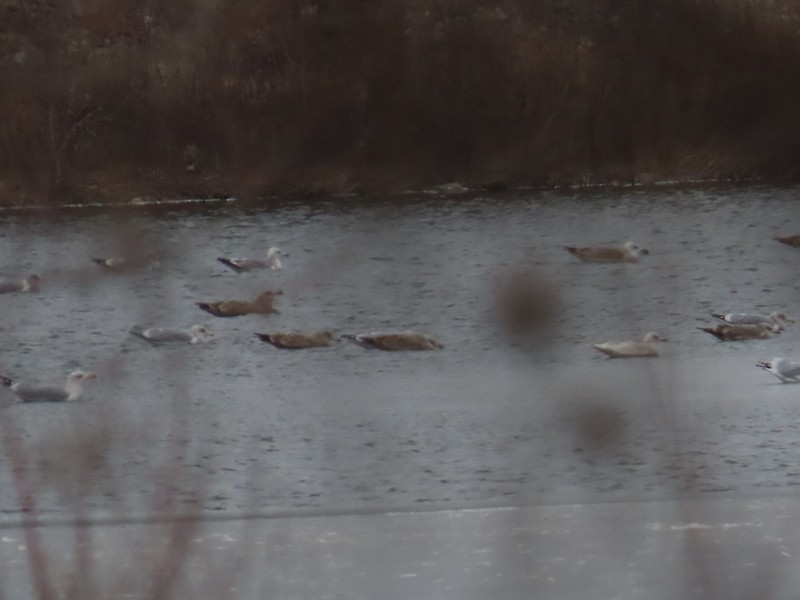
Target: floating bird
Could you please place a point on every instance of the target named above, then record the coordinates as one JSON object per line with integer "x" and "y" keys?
{"x": 237, "y": 308}
{"x": 792, "y": 240}
{"x": 72, "y": 389}
{"x": 196, "y": 334}
{"x": 632, "y": 348}
{"x": 295, "y": 340}
{"x": 29, "y": 284}
{"x": 628, "y": 253}
{"x": 734, "y": 332}
{"x": 403, "y": 340}
{"x": 271, "y": 262}
{"x": 123, "y": 264}
{"x": 785, "y": 370}
{"x": 774, "y": 318}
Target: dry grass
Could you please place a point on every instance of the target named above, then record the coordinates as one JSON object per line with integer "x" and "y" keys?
{"x": 392, "y": 94}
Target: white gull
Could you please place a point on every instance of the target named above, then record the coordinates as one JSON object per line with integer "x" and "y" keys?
{"x": 272, "y": 262}
{"x": 785, "y": 370}
{"x": 629, "y": 252}
{"x": 71, "y": 390}
{"x": 195, "y": 334}
{"x": 632, "y": 348}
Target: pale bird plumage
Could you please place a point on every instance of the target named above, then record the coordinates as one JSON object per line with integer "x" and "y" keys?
{"x": 785, "y": 370}
{"x": 271, "y": 262}
{"x": 196, "y": 334}
{"x": 629, "y": 252}
{"x": 639, "y": 348}
{"x": 71, "y": 390}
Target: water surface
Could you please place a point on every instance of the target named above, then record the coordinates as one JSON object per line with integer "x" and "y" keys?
{"x": 239, "y": 426}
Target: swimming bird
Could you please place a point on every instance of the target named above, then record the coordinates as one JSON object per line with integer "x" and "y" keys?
{"x": 237, "y": 308}
{"x": 628, "y": 253}
{"x": 196, "y": 334}
{"x": 117, "y": 263}
{"x": 29, "y": 284}
{"x": 785, "y": 370}
{"x": 295, "y": 340}
{"x": 72, "y": 389}
{"x": 774, "y": 318}
{"x": 632, "y": 348}
{"x": 403, "y": 340}
{"x": 792, "y": 240}
{"x": 736, "y": 332}
{"x": 272, "y": 262}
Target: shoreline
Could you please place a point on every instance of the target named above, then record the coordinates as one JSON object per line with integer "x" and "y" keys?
{"x": 173, "y": 196}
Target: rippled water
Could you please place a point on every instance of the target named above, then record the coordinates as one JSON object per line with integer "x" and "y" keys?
{"x": 239, "y": 425}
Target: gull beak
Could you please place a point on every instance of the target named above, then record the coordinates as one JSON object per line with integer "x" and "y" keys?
{"x": 764, "y": 364}
{"x": 644, "y": 251}
{"x": 91, "y": 376}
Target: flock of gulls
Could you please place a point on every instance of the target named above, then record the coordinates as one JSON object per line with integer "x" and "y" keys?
{"x": 72, "y": 388}
{"x": 734, "y": 326}
{"x": 729, "y": 326}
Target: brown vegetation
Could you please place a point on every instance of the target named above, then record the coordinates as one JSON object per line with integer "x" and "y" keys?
{"x": 107, "y": 100}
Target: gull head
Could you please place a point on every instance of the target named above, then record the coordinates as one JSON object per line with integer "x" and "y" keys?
{"x": 200, "y": 333}
{"x": 77, "y": 376}
{"x": 652, "y": 336}
{"x": 635, "y": 248}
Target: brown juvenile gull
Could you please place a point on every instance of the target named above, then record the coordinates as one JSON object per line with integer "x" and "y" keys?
{"x": 389, "y": 341}
{"x": 727, "y": 332}
{"x": 72, "y": 389}
{"x": 774, "y": 318}
{"x": 196, "y": 334}
{"x": 627, "y": 253}
{"x": 632, "y": 348}
{"x": 237, "y": 308}
{"x": 295, "y": 340}
{"x": 792, "y": 240}
{"x": 29, "y": 284}
{"x": 271, "y": 262}
{"x": 785, "y": 370}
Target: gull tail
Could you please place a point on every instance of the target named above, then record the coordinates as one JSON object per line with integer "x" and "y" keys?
{"x": 230, "y": 264}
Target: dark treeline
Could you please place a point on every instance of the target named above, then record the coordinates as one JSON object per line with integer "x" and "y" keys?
{"x": 112, "y": 97}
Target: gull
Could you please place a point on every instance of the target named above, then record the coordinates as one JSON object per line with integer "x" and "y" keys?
{"x": 785, "y": 370}
{"x": 632, "y": 348}
{"x": 792, "y": 240}
{"x": 71, "y": 390}
{"x": 29, "y": 284}
{"x": 745, "y": 331}
{"x": 236, "y": 308}
{"x": 393, "y": 341}
{"x": 774, "y": 318}
{"x": 117, "y": 263}
{"x": 295, "y": 340}
{"x": 196, "y": 334}
{"x": 628, "y": 252}
{"x": 271, "y": 262}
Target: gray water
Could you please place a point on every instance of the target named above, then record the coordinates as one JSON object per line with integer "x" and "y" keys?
{"x": 238, "y": 425}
